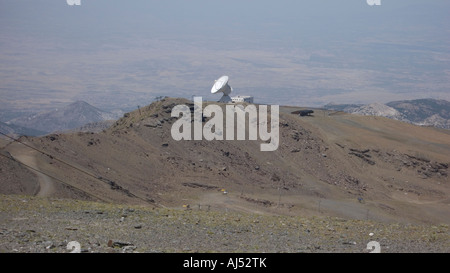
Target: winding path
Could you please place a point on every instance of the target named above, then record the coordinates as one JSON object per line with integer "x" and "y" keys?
{"x": 28, "y": 158}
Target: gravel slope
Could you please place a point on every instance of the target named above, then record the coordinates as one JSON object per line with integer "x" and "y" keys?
{"x": 35, "y": 224}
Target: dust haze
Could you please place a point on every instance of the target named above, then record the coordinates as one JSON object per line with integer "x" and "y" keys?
{"x": 118, "y": 54}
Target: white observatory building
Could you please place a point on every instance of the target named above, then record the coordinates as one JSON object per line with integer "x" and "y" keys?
{"x": 247, "y": 99}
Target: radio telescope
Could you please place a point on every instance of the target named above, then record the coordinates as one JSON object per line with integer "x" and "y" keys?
{"x": 221, "y": 86}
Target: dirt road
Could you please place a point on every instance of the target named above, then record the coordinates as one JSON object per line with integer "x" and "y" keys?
{"x": 27, "y": 156}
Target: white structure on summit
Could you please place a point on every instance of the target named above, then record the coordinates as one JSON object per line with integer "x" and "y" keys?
{"x": 248, "y": 99}
{"x": 221, "y": 86}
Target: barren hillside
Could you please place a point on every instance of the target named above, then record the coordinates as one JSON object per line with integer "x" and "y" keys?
{"x": 356, "y": 167}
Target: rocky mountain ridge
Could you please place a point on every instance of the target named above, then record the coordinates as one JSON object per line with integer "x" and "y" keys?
{"x": 422, "y": 112}
{"x": 72, "y": 116}
{"x": 341, "y": 165}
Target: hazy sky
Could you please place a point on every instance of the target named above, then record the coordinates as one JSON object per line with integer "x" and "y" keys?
{"x": 117, "y": 52}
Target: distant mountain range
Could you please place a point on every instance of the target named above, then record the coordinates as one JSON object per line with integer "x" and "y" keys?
{"x": 72, "y": 116}
{"x": 423, "y": 112}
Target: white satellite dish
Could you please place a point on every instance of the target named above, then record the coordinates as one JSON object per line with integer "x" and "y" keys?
{"x": 221, "y": 86}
